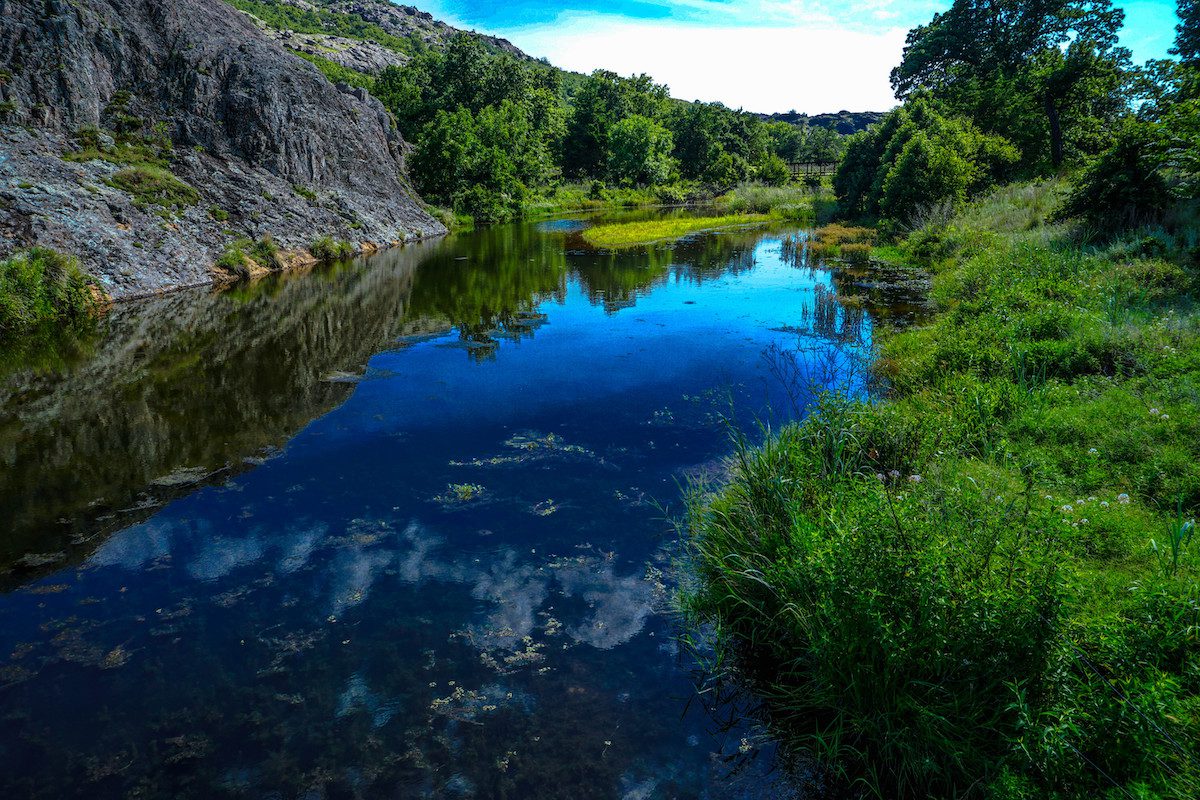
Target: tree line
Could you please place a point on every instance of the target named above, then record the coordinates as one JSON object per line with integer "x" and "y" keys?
{"x": 488, "y": 128}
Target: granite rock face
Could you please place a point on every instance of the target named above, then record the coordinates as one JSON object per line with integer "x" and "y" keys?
{"x": 271, "y": 147}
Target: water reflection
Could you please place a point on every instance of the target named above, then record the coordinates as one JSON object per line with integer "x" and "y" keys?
{"x": 389, "y": 529}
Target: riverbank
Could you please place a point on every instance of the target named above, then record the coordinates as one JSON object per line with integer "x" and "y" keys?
{"x": 988, "y": 581}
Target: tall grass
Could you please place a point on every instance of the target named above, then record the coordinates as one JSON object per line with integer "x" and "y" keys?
{"x": 40, "y": 285}
{"x": 987, "y": 584}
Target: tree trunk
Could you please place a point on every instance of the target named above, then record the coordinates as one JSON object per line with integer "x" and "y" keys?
{"x": 1056, "y": 134}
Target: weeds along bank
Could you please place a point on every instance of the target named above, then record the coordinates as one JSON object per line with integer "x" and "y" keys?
{"x": 985, "y": 585}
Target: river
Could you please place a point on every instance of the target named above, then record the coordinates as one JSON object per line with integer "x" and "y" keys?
{"x": 394, "y": 528}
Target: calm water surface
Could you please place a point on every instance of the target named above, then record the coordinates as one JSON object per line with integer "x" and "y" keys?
{"x": 393, "y": 529}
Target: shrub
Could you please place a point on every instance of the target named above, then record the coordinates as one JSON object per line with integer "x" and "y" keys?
{"x": 328, "y": 249}
{"x": 41, "y": 285}
{"x": 1125, "y": 185}
{"x": 774, "y": 171}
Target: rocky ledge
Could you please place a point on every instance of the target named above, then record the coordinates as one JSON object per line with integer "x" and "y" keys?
{"x": 145, "y": 136}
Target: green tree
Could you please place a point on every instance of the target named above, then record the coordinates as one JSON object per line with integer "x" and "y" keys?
{"x": 603, "y": 100}
{"x": 1002, "y": 63}
{"x": 639, "y": 152}
{"x": 773, "y": 171}
{"x": 1187, "y": 33}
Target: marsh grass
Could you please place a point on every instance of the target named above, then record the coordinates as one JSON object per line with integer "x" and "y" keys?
{"x": 633, "y": 234}
{"x": 986, "y": 584}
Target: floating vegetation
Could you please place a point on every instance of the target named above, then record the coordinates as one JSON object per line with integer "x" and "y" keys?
{"x": 545, "y": 508}
{"x": 532, "y": 447}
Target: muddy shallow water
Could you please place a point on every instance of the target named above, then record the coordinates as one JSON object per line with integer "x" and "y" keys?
{"x": 391, "y": 529}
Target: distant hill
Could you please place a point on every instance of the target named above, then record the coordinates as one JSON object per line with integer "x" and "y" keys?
{"x": 844, "y": 122}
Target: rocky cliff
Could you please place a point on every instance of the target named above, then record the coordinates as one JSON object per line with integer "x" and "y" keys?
{"x": 146, "y": 135}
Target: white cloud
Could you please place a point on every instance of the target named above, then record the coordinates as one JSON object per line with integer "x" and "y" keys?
{"x": 809, "y": 68}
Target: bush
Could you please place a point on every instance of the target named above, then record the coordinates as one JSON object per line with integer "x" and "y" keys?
{"x": 41, "y": 285}
{"x": 773, "y": 171}
{"x": 918, "y": 158}
{"x": 1125, "y": 185}
{"x": 327, "y": 249}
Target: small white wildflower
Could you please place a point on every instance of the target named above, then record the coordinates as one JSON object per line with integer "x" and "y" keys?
{"x": 1164, "y": 417}
{"x": 894, "y": 474}
{"x": 1154, "y": 412}
{"x": 1104, "y": 504}
{"x": 1123, "y": 499}
{"x": 1083, "y": 521}
{"x": 1049, "y": 497}
{"x": 880, "y": 476}
{"x": 914, "y": 478}
{"x": 1067, "y": 509}
{"x": 1074, "y": 524}
{"x": 1093, "y": 451}
{"x": 1092, "y": 499}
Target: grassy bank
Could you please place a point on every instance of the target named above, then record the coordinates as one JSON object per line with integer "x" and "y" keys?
{"x": 40, "y": 286}
{"x": 988, "y": 584}
{"x": 632, "y": 234}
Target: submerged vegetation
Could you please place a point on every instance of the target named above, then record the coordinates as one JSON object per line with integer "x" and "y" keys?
{"x": 40, "y": 286}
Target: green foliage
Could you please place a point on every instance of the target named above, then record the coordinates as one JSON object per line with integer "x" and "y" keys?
{"x": 1047, "y": 75}
{"x": 238, "y": 255}
{"x": 328, "y": 249}
{"x": 918, "y": 159}
{"x": 1126, "y": 185}
{"x": 39, "y": 286}
{"x": 986, "y": 583}
{"x": 151, "y": 185}
{"x": 282, "y": 16}
{"x": 773, "y": 171}
{"x": 639, "y": 152}
{"x": 336, "y": 73}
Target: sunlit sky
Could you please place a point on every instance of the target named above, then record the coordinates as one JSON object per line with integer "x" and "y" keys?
{"x": 762, "y": 55}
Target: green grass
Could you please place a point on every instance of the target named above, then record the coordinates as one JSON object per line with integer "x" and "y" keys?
{"x": 318, "y": 20}
{"x": 790, "y": 202}
{"x": 329, "y": 249}
{"x": 336, "y": 73}
{"x": 239, "y": 253}
{"x": 633, "y": 234}
{"x": 150, "y": 185}
{"x": 39, "y": 286}
{"x": 988, "y": 583}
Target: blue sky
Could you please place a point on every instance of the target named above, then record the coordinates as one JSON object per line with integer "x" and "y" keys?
{"x": 762, "y": 55}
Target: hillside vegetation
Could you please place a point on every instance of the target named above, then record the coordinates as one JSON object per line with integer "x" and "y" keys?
{"x": 985, "y": 581}
{"x": 498, "y": 135}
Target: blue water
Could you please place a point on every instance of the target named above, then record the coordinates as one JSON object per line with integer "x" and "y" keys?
{"x": 424, "y": 546}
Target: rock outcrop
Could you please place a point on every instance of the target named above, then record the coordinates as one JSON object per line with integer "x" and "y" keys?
{"x": 242, "y": 138}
